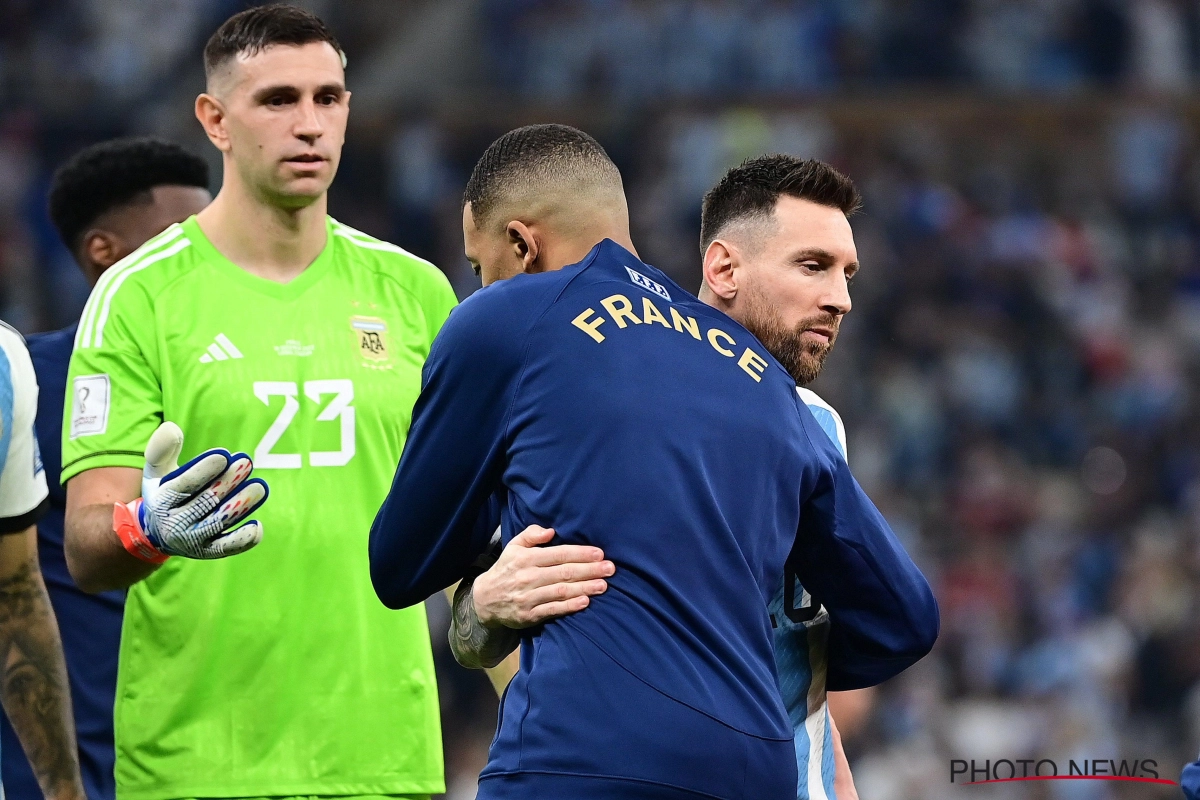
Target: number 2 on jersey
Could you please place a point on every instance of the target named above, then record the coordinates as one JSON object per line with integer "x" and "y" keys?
{"x": 338, "y": 408}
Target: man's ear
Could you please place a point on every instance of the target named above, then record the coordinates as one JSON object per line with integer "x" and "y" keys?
{"x": 524, "y": 244}
{"x": 720, "y": 275}
{"x": 211, "y": 113}
{"x": 101, "y": 249}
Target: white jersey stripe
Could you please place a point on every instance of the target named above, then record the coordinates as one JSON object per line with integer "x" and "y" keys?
{"x": 87, "y": 319}
{"x": 817, "y": 729}
{"x": 818, "y": 710}
{"x": 98, "y": 338}
{"x": 95, "y": 300}
{"x": 343, "y": 229}
{"x": 368, "y": 243}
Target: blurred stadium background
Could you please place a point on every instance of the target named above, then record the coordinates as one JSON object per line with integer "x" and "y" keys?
{"x": 1017, "y": 376}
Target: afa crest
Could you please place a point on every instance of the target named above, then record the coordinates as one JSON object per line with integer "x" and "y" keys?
{"x": 370, "y": 335}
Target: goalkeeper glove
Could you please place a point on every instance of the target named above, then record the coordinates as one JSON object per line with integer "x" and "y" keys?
{"x": 190, "y": 510}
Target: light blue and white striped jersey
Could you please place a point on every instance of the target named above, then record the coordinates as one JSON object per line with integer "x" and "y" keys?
{"x": 23, "y": 491}
{"x": 801, "y": 632}
{"x": 22, "y": 478}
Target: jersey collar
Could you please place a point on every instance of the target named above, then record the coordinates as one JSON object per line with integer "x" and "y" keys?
{"x": 282, "y": 291}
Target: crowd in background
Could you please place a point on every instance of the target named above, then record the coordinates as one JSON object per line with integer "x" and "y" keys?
{"x": 642, "y": 50}
{"x": 1017, "y": 376}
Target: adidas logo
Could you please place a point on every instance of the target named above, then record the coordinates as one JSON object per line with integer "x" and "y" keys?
{"x": 220, "y": 350}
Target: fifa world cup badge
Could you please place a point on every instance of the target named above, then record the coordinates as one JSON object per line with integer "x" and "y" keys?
{"x": 370, "y": 335}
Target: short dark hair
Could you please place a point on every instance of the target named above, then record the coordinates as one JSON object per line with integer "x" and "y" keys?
{"x": 752, "y": 189}
{"x": 548, "y": 150}
{"x": 255, "y": 29}
{"x": 115, "y": 173}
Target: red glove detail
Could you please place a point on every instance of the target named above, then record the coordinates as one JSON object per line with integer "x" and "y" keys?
{"x": 132, "y": 537}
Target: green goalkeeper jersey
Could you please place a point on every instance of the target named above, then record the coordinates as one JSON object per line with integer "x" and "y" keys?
{"x": 277, "y": 671}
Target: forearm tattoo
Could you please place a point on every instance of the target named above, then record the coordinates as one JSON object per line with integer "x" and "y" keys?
{"x": 475, "y": 646}
{"x": 34, "y": 689}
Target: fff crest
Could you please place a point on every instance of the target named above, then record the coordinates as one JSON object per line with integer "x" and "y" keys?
{"x": 654, "y": 286}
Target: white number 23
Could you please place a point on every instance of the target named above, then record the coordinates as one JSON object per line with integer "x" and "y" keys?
{"x": 338, "y": 408}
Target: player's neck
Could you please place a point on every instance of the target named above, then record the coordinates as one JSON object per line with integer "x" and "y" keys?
{"x": 623, "y": 238}
{"x": 707, "y": 296}
{"x": 273, "y": 243}
{"x": 573, "y": 249}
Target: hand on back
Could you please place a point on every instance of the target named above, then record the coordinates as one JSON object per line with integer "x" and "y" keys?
{"x": 530, "y": 584}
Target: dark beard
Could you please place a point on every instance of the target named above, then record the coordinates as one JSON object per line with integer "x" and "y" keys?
{"x": 802, "y": 359}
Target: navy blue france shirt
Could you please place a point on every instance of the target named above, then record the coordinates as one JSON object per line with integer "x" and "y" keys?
{"x": 90, "y": 625}
{"x": 605, "y": 401}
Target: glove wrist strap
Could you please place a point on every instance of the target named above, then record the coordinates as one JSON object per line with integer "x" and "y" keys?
{"x": 132, "y": 537}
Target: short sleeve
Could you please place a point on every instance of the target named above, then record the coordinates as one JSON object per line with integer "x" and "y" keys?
{"x": 23, "y": 489}
{"x": 114, "y": 391}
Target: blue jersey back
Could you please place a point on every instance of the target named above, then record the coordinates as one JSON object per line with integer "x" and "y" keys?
{"x": 661, "y": 431}
{"x": 606, "y": 402}
{"x": 90, "y": 625}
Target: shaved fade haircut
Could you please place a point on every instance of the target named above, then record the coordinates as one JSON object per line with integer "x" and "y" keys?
{"x": 249, "y": 32}
{"x": 750, "y": 191}
{"x": 536, "y": 158}
{"x": 114, "y": 174}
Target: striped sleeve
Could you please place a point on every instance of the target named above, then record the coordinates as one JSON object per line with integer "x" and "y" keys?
{"x": 800, "y": 654}
{"x": 23, "y": 488}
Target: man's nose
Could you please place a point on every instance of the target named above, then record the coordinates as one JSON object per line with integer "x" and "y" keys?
{"x": 308, "y": 125}
{"x": 837, "y": 299}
